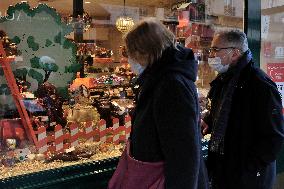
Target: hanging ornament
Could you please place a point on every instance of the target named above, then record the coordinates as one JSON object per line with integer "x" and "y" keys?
{"x": 124, "y": 23}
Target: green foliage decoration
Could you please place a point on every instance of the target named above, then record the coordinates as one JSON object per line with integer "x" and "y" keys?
{"x": 48, "y": 42}
{"x": 36, "y": 75}
{"x": 16, "y": 40}
{"x": 35, "y": 62}
{"x": 32, "y": 44}
{"x": 41, "y": 32}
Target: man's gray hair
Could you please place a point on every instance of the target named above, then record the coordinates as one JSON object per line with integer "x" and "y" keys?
{"x": 234, "y": 38}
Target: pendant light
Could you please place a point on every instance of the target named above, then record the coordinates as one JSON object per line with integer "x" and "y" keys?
{"x": 124, "y": 23}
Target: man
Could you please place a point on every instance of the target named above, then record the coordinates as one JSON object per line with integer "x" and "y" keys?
{"x": 245, "y": 118}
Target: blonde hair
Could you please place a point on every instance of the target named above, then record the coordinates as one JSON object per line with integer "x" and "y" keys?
{"x": 148, "y": 39}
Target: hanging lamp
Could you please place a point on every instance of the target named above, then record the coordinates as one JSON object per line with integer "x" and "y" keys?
{"x": 124, "y": 23}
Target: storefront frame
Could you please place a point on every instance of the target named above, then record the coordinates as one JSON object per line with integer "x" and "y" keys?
{"x": 252, "y": 27}
{"x": 98, "y": 173}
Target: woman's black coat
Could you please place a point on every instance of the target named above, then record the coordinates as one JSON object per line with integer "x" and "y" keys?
{"x": 165, "y": 126}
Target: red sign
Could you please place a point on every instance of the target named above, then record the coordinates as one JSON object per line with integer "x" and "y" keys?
{"x": 276, "y": 71}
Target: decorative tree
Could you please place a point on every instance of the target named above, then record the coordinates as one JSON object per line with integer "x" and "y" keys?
{"x": 48, "y": 65}
{"x": 39, "y": 32}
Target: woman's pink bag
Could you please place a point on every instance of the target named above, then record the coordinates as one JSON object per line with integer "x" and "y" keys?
{"x": 134, "y": 174}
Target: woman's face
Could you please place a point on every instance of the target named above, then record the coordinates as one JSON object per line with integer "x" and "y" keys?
{"x": 135, "y": 66}
{"x": 140, "y": 59}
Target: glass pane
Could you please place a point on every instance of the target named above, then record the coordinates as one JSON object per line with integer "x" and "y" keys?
{"x": 272, "y": 55}
{"x": 197, "y": 24}
{"x": 272, "y": 41}
{"x": 74, "y": 69}
{"x": 198, "y": 20}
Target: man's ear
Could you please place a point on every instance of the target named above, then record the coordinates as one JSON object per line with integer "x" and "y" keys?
{"x": 236, "y": 55}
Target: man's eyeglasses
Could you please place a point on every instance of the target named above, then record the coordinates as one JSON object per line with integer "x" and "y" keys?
{"x": 216, "y": 49}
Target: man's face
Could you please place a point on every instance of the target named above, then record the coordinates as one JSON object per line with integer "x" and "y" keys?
{"x": 219, "y": 49}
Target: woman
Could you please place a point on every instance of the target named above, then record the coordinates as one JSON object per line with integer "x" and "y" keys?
{"x": 165, "y": 124}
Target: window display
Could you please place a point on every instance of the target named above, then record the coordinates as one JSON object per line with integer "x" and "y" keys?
{"x": 76, "y": 118}
{"x": 54, "y": 128}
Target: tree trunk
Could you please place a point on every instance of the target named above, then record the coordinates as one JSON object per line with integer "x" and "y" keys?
{"x": 47, "y": 74}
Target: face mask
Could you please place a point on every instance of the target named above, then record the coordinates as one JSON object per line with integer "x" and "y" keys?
{"x": 216, "y": 64}
{"x": 135, "y": 66}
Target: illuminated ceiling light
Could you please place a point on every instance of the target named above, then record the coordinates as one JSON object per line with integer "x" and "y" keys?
{"x": 87, "y": 2}
{"x": 124, "y": 23}
{"x": 24, "y": 1}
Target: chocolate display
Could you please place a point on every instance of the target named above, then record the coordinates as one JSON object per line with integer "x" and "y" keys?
{"x": 110, "y": 80}
{"x": 83, "y": 151}
{"x": 36, "y": 162}
{"x": 103, "y": 52}
{"x": 52, "y": 103}
{"x": 104, "y": 109}
{"x": 121, "y": 107}
{"x": 70, "y": 156}
{"x": 86, "y": 48}
{"x": 80, "y": 109}
{"x": 82, "y": 113}
{"x": 113, "y": 102}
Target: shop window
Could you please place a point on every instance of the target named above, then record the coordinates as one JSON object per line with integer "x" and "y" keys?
{"x": 272, "y": 55}
{"x": 272, "y": 41}
{"x": 198, "y": 20}
{"x": 73, "y": 74}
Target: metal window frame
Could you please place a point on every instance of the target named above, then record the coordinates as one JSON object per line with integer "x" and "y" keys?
{"x": 252, "y": 27}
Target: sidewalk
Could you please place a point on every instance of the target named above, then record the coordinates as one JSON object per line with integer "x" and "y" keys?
{"x": 279, "y": 182}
